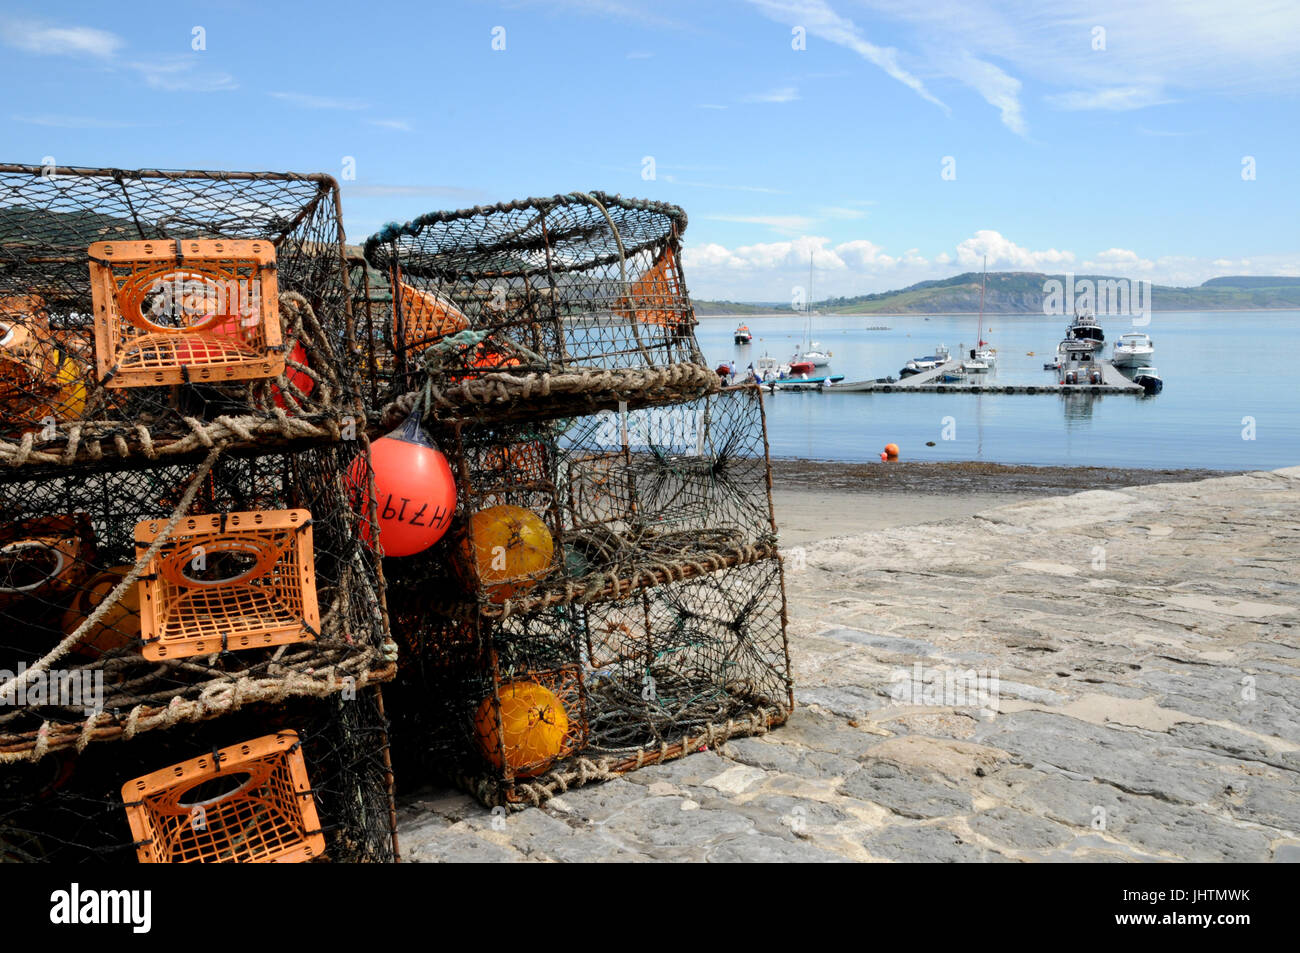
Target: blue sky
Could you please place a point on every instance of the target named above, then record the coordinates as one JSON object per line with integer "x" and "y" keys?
{"x": 1126, "y": 159}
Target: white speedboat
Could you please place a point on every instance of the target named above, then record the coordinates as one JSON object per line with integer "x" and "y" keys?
{"x": 1132, "y": 350}
{"x": 928, "y": 363}
{"x": 974, "y": 366}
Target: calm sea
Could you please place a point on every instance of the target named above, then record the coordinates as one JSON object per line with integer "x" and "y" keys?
{"x": 1231, "y": 399}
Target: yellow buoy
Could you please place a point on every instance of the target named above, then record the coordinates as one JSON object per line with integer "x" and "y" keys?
{"x": 532, "y": 728}
{"x": 507, "y": 549}
{"x": 117, "y": 627}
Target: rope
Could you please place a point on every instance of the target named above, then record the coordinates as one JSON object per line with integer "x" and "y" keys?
{"x": 87, "y": 439}
{"x": 10, "y": 688}
{"x": 676, "y": 382}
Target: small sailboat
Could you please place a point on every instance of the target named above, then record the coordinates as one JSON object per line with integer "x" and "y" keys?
{"x": 982, "y": 357}
{"x": 811, "y": 351}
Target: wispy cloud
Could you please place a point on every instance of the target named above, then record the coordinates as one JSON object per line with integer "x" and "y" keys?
{"x": 786, "y": 94}
{"x": 821, "y": 21}
{"x": 999, "y": 89}
{"x": 43, "y": 39}
{"x": 783, "y": 223}
{"x": 1114, "y": 97}
{"x": 76, "y": 122}
{"x": 183, "y": 74}
{"x": 843, "y": 212}
{"x": 399, "y": 125}
{"x": 311, "y": 101}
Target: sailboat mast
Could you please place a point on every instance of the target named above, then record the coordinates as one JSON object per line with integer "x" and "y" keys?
{"x": 979, "y": 336}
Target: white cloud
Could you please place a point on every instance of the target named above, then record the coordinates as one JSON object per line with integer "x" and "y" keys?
{"x": 1004, "y": 252}
{"x": 180, "y": 74}
{"x": 997, "y": 88}
{"x": 310, "y": 101}
{"x": 398, "y": 124}
{"x": 843, "y": 212}
{"x": 1121, "y": 259}
{"x": 821, "y": 21}
{"x": 33, "y": 37}
{"x": 1113, "y": 97}
{"x": 75, "y": 122}
{"x": 786, "y": 94}
{"x": 765, "y": 271}
{"x": 787, "y": 223}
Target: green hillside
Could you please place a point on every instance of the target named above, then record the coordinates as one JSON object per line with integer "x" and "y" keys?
{"x": 1018, "y": 292}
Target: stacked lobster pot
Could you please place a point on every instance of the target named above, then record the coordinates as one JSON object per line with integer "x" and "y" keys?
{"x": 192, "y": 620}
{"x": 606, "y": 591}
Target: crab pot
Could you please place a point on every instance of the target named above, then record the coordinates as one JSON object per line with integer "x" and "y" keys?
{"x": 568, "y": 284}
{"x": 138, "y": 308}
{"x": 519, "y": 709}
{"x": 252, "y": 583}
{"x": 301, "y": 781}
{"x": 596, "y": 506}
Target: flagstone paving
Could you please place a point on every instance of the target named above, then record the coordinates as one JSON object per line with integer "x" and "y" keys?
{"x": 1139, "y": 654}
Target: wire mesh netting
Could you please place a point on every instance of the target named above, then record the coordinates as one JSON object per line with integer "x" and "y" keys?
{"x": 521, "y": 708}
{"x": 135, "y": 597}
{"x": 208, "y": 297}
{"x": 569, "y": 284}
{"x": 72, "y": 807}
{"x": 592, "y": 507}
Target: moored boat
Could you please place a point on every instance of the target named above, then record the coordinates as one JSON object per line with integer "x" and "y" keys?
{"x": 1132, "y": 350}
{"x": 1149, "y": 378}
{"x": 1085, "y": 328}
{"x": 743, "y": 335}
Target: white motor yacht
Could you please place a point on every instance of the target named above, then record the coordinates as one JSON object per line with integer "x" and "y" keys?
{"x": 1132, "y": 350}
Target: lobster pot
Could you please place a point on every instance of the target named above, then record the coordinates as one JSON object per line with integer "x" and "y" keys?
{"x": 563, "y": 285}
{"x": 305, "y": 780}
{"x": 522, "y": 708}
{"x": 593, "y": 507}
{"x": 140, "y": 309}
{"x": 173, "y": 593}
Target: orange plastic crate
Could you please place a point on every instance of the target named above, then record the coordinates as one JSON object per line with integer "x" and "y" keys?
{"x": 228, "y": 581}
{"x": 249, "y": 803}
{"x": 185, "y": 311}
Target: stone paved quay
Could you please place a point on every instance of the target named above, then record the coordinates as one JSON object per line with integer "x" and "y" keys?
{"x": 1147, "y": 648}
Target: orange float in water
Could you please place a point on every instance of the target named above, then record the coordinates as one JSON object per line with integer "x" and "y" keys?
{"x": 891, "y": 449}
{"x": 506, "y": 550}
{"x": 531, "y": 731}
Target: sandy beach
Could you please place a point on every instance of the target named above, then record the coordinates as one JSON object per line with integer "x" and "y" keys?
{"x": 817, "y": 499}
{"x": 991, "y": 664}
